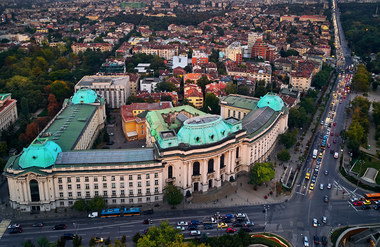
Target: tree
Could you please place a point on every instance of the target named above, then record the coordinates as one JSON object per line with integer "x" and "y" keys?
{"x": 211, "y": 104}
{"x": 25, "y": 106}
{"x": 92, "y": 242}
{"x": 356, "y": 134}
{"x": 289, "y": 138}
{"x": 77, "y": 241}
{"x": 61, "y": 242}
{"x": 166, "y": 86}
{"x": 283, "y": 155}
{"x": 173, "y": 195}
{"x": 80, "y": 205}
{"x": 28, "y": 243}
{"x": 162, "y": 235}
{"x": 31, "y": 131}
{"x": 361, "y": 79}
{"x": 261, "y": 173}
{"x": 202, "y": 82}
{"x": 3, "y": 148}
{"x": 231, "y": 88}
{"x": 136, "y": 237}
{"x": 97, "y": 203}
{"x": 43, "y": 242}
{"x": 107, "y": 241}
{"x": 124, "y": 239}
{"x": 243, "y": 90}
{"x": 260, "y": 89}
{"x": 53, "y": 106}
{"x": 61, "y": 90}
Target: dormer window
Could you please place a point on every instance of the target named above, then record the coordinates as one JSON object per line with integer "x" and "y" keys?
{"x": 212, "y": 137}
{"x": 197, "y": 139}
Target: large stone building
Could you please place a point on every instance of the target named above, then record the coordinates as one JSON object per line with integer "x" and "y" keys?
{"x": 115, "y": 89}
{"x": 8, "y": 111}
{"x": 186, "y": 147}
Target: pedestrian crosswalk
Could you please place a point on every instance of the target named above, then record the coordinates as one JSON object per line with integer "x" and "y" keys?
{"x": 3, "y": 226}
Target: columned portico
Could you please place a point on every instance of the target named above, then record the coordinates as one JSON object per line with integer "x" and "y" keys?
{"x": 218, "y": 181}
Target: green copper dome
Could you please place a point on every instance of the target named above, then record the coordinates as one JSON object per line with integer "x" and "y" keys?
{"x": 84, "y": 96}
{"x": 41, "y": 153}
{"x": 203, "y": 130}
{"x": 272, "y": 101}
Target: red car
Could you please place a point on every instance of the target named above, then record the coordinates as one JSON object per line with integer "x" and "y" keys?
{"x": 357, "y": 203}
{"x": 230, "y": 230}
{"x": 336, "y": 134}
{"x": 334, "y": 124}
{"x": 331, "y": 134}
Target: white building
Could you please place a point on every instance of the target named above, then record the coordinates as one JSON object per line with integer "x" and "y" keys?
{"x": 115, "y": 89}
{"x": 148, "y": 84}
{"x": 8, "y": 111}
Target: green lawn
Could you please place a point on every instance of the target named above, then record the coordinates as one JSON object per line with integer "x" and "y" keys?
{"x": 362, "y": 168}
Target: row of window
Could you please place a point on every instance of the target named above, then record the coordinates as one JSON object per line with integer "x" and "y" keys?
{"x": 113, "y": 193}
{"x": 113, "y": 185}
{"x": 104, "y": 178}
{"x": 122, "y": 200}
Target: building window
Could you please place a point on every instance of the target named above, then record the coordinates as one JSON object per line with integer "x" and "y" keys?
{"x": 148, "y": 199}
{"x": 96, "y": 193}
{"x": 61, "y": 194}
{"x": 70, "y": 194}
{"x": 139, "y": 184}
{"x": 95, "y": 179}
{"x": 96, "y": 186}
{"x": 121, "y": 178}
{"x": 156, "y": 190}
{"x": 104, "y": 185}
{"x": 114, "y": 193}
{"x": 131, "y": 192}
{"x": 237, "y": 152}
{"x": 130, "y": 184}
{"x": 104, "y": 193}
{"x": 131, "y": 200}
{"x": 139, "y": 191}
{"x": 69, "y": 180}
{"x": 78, "y": 186}
{"x": 140, "y": 200}
{"x": 156, "y": 175}
{"x": 222, "y": 161}
{"x": 122, "y": 192}
{"x": 170, "y": 172}
{"x": 86, "y": 179}
{"x": 156, "y": 198}
{"x": 122, "y": 200}
{"x": 114, "y": 201}
{"x": 70, "y": 202}
{"x": 121, "y": 185}
{"x": 59, "y": 180}
{"x": 69, "y": 186}
{"x": 113, "y": 185}
{"x": 104, "y": 178}
{"x": 60, "y": 187}
{"x": 155, "y": 182}
{"x": 87, "y": 186}
{"x": 87, "y": 193}
{"x": 130, "y": 177}
{"x": 147, "y": 176}
{"x": 196, "y": 168}
{"x": 148, "y": 191}
{"x": 138, "y": 176}
{"x": 79, "y": 194}
{"x": 62, "y": 203}
{"x": 210, "y": 165}
{"x": 112, "y": 178}
{"x": 147, "y": 183}
{"x": 78, "y": 179}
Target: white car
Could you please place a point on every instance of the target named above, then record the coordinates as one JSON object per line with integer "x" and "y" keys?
{"x": 182, "y": 228}
{"x": 195, "y": 233}
{"x": 305, "y": 241}
{"x": 315, "y": 222}
{"x": 328, "y": 186}
{"x": 13, "y": 226}
{"x": 324, "y": 219}
{"x": 182, "y": 223}
{"x": 321, "y": 186}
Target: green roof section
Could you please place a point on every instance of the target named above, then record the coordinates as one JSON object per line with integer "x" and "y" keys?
{"x": 271, "y": 100}
{"x": 42, "y": 153}
{"x": 3, "y": 96}
{"x": 158, "y": 124}
{"x": 206, "y": 129}
{"x": 84, "y": 96}
{"x": 240, "y": 101}
{"x": 68, "y": 126}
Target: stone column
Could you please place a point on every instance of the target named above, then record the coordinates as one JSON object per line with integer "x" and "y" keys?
{"x": 184, "y": 175}
{"x": 228, "y": 163}
{"x": 41, "y": 190}
{"x": 189, "y": 173}
{"x": 218, "y": 181}
{"x": 233, "y": 162}
{"x": 25, "y": 191}
{"x": 204, "y": 175}
{"x": 46, "y": 187}
{"x": 20, "y": 191}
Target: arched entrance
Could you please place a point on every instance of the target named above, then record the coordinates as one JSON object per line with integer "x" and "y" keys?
{"x": 34, "y": 192}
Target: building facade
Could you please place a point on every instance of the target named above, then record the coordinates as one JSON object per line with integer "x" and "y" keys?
{"x": 115, "y": 89}
{"x": 186, "y": 147}
{"x": 8, "y": 111}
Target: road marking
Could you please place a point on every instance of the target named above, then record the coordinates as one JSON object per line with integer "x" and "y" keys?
{"x": 4, "y": 226}
{"x": 299, "y": 193}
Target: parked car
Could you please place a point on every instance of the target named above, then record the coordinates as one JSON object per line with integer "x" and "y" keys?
{"x": 192, "y": 227}
{"x": 98, "y": 239}
{"x": 367, "y": 202}
{"x": 324, "y": 219}
{"x": 147, "y": 221}
{"x": 195, "y": 222}
{"x": 305, "y": 241}
{"x": 311, "y": 186}
{"x": 208, "y": 226}
{"x": 222, "y": 225}
{"x": 316, "y": 240}
{"x": 182, "y": 223}
{"x": 182, "y": 228}
{"x": 59, "y": 227}
{"x": 357, "y": 203}
{"x": 315, "y": 222}
{"x": 195, "y": 233}
{"x": 326, "y": 198}
{"x": 321, "y": 186}
{"x": 14, "y": 226}
{"x": 326, "y": 172}
{"x": 328, "y": 186}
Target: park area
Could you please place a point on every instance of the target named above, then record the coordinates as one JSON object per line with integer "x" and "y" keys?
{"x": 361, "y": 168}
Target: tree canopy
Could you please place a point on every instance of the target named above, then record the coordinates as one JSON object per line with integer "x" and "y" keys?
{"x": 261, "y": 173}
{"x": 173, "y": 194}
{"x": 162, "y": 235}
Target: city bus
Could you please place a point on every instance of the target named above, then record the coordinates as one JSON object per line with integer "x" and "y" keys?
{"x": 131, "y": 211}
{"x": 111, "y": 212}
{"x": 372, "y": 196}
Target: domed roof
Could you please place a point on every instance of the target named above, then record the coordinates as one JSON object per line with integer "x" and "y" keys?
{"x": 271, "y": 100}
{"x": 84, "y": 96}
{"x": 203, "y": 130}
{"x": 41, "y": 153}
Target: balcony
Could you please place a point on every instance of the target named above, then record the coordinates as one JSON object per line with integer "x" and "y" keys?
{"x": 210, "y": 175}
{"x": 170, "y": 180}
{"x": 196, "y": 178}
